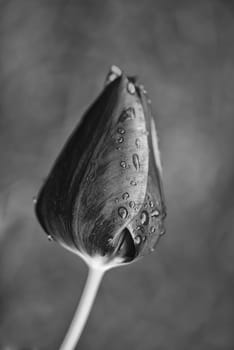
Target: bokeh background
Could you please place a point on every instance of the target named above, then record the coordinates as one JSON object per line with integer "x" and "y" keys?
{"x": 54, "y": 56}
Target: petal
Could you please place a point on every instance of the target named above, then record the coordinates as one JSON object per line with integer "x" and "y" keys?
{"x": 148, "y": 226}
{"x": 115, "y": 182}
{"x": 56, "y": 200}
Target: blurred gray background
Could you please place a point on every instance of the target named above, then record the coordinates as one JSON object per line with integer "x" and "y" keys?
{"x": 54, "y": 56}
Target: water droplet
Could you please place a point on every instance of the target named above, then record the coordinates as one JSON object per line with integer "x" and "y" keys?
{"x": 133, "y": 183}
{"x": 123, "y": 164}
{"x": 143, "y": 89}
{"x": 34, "y": 200}
{"x": 50, "y": 238}
{"x": 120, "y": 140}
{"x": 111, "y": 77}
{"x": 118, "y": 148}
{"x": 136, "y": 162}
{"x": 116, "y": 200}
{"x": 138, "y": 228}
{"x": 152, "y": 249}
{"x": 145, "y": 205}
{"x": 162, "y": 232}
{"x": 152, "y": 229}
{"x": 131, "y": 88}
{"x": 121, "y": 131}
{"x": 155, "y": 213}
{"x": 151, "y": 204}
{"x": 132, "y": 204}
{"x": 137, "y": 143}
{"x": 144, "y": 218}
{"x": 122, "y": 212}
{"x": 138, "y": 239}
{"x": 127, "y": 114}
{"x": 125, "y": 195}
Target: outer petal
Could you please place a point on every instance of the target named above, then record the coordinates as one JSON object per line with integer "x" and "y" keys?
{"x": 57, "y": 198}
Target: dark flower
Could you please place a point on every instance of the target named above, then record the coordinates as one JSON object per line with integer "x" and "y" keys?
{"x": 103, "y": 198}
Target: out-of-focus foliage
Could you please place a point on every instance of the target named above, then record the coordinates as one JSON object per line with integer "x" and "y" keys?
{"x": 54, "y": 55}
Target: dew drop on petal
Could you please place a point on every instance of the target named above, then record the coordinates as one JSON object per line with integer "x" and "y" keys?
{"x": 162, "y": 232}
{"x": 122, "y": 212}
{"x": 151, "y": 204}
{"x": 34, "y": 200}
{"x": 120, "y": 140}
{"x": 132, "y": 204}
{"x": 121, "y": 131}
{"x": 125, "y": 195}
{"x": 123, "y": 164}
{"x": 143, "y": 89}
{"x": 50, "y": 238}
{"x": 138, "y": 239}
{"x": 137, "y": 143}
{"x": 155, "y": 213}
{"x": 127, "y": 114}
{"x": 144, "y": 218}
{"x": 152, "y": 229}
{"x": 133, "y": 183}
{"x": 136, "y": 162}
{"x": 112, "y": 77}
{"x": 131, "y": 88}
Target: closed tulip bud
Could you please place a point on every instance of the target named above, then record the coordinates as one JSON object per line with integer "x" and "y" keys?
{"x": 103, "y": 198}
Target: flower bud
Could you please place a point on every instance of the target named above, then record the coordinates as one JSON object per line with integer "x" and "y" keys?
{"x": 103, "y": 198}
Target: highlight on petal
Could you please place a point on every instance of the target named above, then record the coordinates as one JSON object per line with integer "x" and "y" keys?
{"x": 103, "y": 198}
{"x": 114, "y": 73}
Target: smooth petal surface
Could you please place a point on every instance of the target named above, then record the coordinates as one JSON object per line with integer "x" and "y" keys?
{"x": 104, "y": 196}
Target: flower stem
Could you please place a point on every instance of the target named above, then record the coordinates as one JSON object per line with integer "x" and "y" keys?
{"x": 81, "y": 315}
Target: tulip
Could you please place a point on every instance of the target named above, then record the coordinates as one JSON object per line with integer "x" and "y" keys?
{"x": 103, "y": 198}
